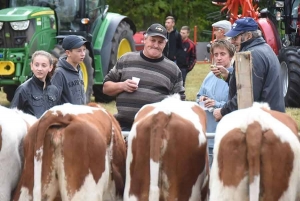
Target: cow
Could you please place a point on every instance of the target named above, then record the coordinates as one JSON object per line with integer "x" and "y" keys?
{"x": 72, "y": 153}
{"x": 167, "y": 153}
{"x": 256, "y": 156}
{"x": 14, "y": 125}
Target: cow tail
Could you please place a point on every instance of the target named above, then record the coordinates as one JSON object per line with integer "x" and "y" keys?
{"x": 157, "y": 149}
{"x": 254, "y": 143}
{"x": 44, "y": 123}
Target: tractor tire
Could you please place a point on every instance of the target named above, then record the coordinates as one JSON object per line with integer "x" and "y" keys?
{"x": 289, "y": 58}
{"x": 10, "y": 91}
{"x": 122, "y": 43}
{"x": 86, "y": 68}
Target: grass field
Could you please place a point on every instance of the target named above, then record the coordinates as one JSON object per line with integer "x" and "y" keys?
{"x": 193, "y": 83}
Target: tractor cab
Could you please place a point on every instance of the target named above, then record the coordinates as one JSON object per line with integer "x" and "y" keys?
{"x": 287, "y": 12}
{"x": 72, "y": 15}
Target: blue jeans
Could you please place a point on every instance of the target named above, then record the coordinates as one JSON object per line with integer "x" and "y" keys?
{"x": 184, "y": 72}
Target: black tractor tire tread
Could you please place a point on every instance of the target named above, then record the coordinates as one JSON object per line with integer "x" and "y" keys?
{"x": 291, "y": 56}
{"x": 123, "y": 31}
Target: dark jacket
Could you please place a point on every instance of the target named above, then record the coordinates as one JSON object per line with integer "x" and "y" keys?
{"x": 31, "y": 98}
{"x": 265, "y": 76}
{"x": 174, "y": 45}
{"x": 69, "y": 83}
{"x": 189, "y": 54}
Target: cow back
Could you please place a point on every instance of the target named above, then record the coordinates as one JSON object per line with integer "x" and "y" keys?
{"x": 167, "y": 158}
{"x": 70, "y": 151}
{"x": 256, "y": 156}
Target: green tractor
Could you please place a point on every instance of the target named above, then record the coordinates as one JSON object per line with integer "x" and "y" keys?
{"x": 30, "y": 25}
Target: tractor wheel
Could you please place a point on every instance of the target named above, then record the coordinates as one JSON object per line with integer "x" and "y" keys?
{"x": 290, "y": 73}
{"x": 86, "y": 68}
{"x": 122, "y": 43}
{"x": 10, "y": 91}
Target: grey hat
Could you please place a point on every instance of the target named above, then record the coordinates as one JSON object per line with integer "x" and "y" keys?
{"x": 73, "y": 42}
{"x": 224, "y": 24}
{"x": 157, "y": 30}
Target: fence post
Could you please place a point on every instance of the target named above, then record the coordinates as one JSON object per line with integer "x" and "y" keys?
{"x": 195, "y": 34}
{"x": 243, "y": 69}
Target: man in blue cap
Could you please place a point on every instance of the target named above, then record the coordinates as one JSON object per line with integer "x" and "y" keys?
{"x": 246, "y": 36}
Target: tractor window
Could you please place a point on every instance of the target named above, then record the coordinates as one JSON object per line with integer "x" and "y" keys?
{"x": 295, "y": 13}
{"x": 66, "y": 11}
{"x": 20, "y": 3}
{"x": 92, "y": 9}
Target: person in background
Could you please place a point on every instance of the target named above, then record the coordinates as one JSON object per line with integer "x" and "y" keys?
{"x": 173, "y": 48}
{"x": 189, "y": 53}
{"x": 265, "y": 68}
{"x": 68, "y": 77}
{"x": 37, "y": 94}
{"x": 220, "y": 28}
{"x": 213, "y": 92}
{"x": 144, "y": 77}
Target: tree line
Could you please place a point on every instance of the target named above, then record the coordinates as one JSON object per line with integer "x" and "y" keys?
{"x": 200, "y": 13}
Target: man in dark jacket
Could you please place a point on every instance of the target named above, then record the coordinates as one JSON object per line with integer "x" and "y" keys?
{"x": 68, "y": 77}
{"x": 173, "y": 47}
{"x": 189, "y": 53}
{"x": 266, "y": 68}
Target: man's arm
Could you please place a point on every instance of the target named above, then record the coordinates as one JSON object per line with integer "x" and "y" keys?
{"x": 178, "y": 86}
{"x": 114, "y": 88}
{"x": 193, "y": 57}
{"x": 229, "y": 106}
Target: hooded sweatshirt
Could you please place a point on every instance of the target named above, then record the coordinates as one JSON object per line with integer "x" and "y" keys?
{"x": 69, "y": 82}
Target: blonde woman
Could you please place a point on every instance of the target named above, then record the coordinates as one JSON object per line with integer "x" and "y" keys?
{"x": 37, "y": 94}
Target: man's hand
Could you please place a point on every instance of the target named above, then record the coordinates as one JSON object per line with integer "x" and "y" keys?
{"x": 220, "y": 71}
{"x": 130, "y": 86}
{"x": 217, "y": 114}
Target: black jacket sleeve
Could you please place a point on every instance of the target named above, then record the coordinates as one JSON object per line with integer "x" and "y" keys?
{"x": 231, "y": 104}
{"x": 19, "y": 100}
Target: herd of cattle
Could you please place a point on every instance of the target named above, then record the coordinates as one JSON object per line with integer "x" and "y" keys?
{"x": 78, "y": 153}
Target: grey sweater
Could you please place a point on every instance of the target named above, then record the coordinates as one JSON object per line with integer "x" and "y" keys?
{"x": 158, "y": 79}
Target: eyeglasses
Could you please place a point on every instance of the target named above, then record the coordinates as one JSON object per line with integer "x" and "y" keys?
{"x": 235, "y": 38}
{"x": 218, "y": 29}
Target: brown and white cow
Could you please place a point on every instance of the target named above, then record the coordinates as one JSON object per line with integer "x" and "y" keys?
{"x": 75, "y": 151}
{"x": 256, "y": 157}
{"x": 167, "y": 157}
{"x": 14, "y": 125}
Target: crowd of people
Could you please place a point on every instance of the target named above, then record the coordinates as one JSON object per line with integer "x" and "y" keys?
{"x": 159, "y": 70}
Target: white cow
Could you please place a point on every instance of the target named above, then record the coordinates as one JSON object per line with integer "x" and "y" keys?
{"x": 256, "y": 157}
{"x": 13, "y": 127}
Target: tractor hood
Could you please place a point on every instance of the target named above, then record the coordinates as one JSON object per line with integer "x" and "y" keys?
{"x": 23, "y": 13}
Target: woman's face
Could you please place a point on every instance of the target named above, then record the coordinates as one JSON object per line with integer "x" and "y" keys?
{"x": 40, "y": 66}
{"x": 222, "y": 57}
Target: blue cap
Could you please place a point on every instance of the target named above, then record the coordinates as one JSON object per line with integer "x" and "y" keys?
{"x": 242, "y": 25}
{"x": 73, "y": 42}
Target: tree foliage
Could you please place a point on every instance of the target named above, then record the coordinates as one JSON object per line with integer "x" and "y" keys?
{"x": 186, "y": 12}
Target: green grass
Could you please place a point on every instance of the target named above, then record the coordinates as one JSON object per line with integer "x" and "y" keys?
{"x": 193, "y": 83}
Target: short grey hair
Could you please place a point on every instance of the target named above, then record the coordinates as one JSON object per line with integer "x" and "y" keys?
{"x": 256, "y": 33}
